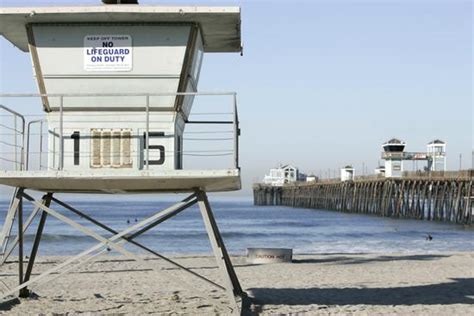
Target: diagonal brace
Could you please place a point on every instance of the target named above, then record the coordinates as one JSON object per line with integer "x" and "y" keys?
{"x": 130, "y": 240}
{"x": 149, "y": 223}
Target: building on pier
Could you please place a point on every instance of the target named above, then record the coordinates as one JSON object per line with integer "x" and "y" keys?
{"x": 437, "y": 155}
{"x": 393, "y": 153}
{"x": 347, "y": 173}
{"x": 282, "y": 175}
{"x": 311, "y": 178}
{"x": 380, "y": 171}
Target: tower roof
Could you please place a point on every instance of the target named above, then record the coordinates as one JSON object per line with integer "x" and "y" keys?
{"x": 436, "y": 141}
{"x": 220, "y": 26}
{"x": 395, "y": 141}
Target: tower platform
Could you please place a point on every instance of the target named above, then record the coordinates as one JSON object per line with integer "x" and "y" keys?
{"x": 138, "y": 181}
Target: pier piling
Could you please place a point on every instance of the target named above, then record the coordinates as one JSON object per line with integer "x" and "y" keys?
{"x": 447, "y": 197}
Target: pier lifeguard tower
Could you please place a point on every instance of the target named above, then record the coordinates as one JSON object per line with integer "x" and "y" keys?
{"x": 393, "y": 153}
{"x": 437, "y": 153}
{"x": 117, "y": 85}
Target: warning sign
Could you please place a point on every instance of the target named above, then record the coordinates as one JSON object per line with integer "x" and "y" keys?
{"x": 107, "y": 53}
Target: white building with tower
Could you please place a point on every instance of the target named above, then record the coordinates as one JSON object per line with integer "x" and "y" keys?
{"x": 281, "y": 175}
{"x": 117, "y": 85}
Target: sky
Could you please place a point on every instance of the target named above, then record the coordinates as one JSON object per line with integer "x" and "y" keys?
{"x": 323, "y": 84}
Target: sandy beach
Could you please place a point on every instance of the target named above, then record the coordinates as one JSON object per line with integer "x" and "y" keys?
{"x": 421, "y": 284}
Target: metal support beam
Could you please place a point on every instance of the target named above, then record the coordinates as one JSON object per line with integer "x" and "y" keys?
{"x": 34, "y": 250}
{"x": 8, "y": 225}
{"x": 222, "y": 257}
{"x": 20, "y": 239}
{"x": 148, "y": 223}
{"x": 27, "y": 224}
{"x": 80, "y": 263}
{"x": 130, "y": 240}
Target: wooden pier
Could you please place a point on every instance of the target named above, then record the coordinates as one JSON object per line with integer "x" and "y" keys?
{"x": 445, "y": 197}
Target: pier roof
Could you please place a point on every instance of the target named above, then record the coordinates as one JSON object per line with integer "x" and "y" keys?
{"x": 220, "y": 26}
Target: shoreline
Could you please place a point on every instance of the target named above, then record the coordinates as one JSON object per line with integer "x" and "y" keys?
{"x": 343, "y": 283}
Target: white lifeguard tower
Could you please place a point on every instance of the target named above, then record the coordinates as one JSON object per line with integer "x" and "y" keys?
{"x": 347, "y": 173}
{"x": 436, "y": 151}
{"x": 117, "y": 84}
{"x": 393, "y": 153}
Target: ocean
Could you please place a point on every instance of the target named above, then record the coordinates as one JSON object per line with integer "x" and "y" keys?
{"x": 244, "y": 225}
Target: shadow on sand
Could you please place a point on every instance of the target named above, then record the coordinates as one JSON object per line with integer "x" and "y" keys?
{"x": 360, "y": 260}
{"x": 9, "y": 304}
{"x": 455, "y": 292}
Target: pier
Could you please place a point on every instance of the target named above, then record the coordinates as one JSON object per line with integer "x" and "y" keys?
{"x": 436, "y": 196}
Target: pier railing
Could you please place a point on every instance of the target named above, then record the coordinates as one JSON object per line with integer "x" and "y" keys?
{"x": 455, "y": 174}
{"x": 404, "y": 155}
{"x": 211, "y": 136}
{"x": 420, "y": 175}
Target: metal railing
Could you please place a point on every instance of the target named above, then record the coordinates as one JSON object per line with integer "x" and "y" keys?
{"x": 41, "y": 123}
{"x": 404, "y": 155}
{"x": 144, "y": 108}
{"x": 17, "y": 157}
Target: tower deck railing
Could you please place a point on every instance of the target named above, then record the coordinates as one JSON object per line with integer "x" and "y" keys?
{"x": 13, "y": 125}
{"x": 212, "y": 128}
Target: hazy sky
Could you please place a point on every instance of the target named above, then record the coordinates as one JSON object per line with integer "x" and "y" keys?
{"x": 323, "y": 84}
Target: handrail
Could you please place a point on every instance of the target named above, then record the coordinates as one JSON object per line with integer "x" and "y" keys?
{"x": 17, "y": 115}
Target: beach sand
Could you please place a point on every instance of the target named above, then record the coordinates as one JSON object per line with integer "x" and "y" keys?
{"x": 419, "y": 284}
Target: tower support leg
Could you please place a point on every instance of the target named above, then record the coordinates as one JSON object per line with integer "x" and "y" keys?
{"x": 14, "y": 243}
{"x": 9, "y": 220}
{"x": 24, "y": 292}
{"x": 232, "y": 285}
{"x": 20, "y": 238}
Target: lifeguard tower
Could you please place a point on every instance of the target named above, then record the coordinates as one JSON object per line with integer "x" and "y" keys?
{"x": 117, "y": 85}
{"x": 436, "y": 151}
{"x": 393, "y": 153}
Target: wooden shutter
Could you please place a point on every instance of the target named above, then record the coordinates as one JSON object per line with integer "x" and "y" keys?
{"x": 126, "y": 155}
{"x": 95, "y": 155}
